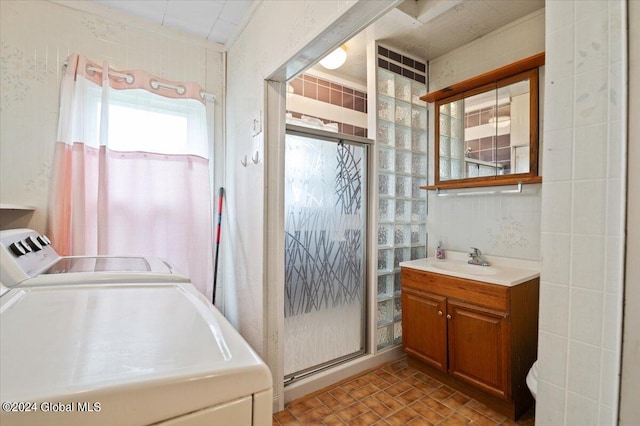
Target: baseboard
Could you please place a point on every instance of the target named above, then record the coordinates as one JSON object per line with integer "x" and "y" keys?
{"x": 334, "y": 375}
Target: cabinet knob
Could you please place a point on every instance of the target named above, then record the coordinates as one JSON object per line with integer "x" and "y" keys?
{"x": 439, "y": 313}
{"x": 448, "y": 316}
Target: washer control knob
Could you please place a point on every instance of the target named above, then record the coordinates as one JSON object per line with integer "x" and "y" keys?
{"x": 25, "y": 246}
{"x": 42, "y": 241}
{"x": 33, "y": 243}
{"x": 16, "y": 248}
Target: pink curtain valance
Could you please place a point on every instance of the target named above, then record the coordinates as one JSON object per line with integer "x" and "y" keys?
{"x": 79, "y": 65}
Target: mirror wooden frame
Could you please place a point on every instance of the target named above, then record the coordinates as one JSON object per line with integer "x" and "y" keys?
{"x": 517, "y": 71}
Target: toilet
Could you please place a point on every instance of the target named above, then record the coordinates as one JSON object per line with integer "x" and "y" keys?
{"x": 532, "y": 379}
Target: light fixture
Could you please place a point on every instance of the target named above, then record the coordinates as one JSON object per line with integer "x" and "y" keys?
{"x": 334, "y": 59}
{"x": 500, "y": 121}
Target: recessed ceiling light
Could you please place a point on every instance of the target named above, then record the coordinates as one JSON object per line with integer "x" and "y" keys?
{"x": 334, "y": 59}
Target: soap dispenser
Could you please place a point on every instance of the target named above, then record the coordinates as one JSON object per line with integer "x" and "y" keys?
{"x": 440, "y": 250}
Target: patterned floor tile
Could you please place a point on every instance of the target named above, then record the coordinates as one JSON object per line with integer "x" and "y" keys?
{"x": 392, "y": 394}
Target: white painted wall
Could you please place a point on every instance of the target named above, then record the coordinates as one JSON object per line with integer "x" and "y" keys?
{"x": 583, "y": 212}
{"x": 35, "y": 38}
{"x": 501, "y": 225}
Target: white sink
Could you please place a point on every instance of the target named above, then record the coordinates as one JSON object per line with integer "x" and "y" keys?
{"x": 465, "y": 268}
{"x": 503, "y": 271}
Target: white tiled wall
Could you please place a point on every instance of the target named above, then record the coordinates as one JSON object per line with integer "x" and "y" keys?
{"x": 582, "y": 213}
{"x": 630, "y": 373}
{"x": 501, "y": 225}
{"x": 35, "y": 39}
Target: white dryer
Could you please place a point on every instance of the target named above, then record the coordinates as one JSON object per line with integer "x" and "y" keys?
{"x": 125, "y": 354}
{"x": 27, "y": 258}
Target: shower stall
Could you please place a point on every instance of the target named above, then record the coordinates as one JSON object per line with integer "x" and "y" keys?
{"x": 325, "y": 249}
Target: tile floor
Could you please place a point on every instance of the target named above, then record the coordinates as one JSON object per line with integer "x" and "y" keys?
{"x": 392, "y": 394}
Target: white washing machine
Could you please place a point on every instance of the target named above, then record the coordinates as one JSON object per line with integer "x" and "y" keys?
{"x": 27, "y": 258}
{"x": 105, "y": 344}
{"x": 125, "y": 354}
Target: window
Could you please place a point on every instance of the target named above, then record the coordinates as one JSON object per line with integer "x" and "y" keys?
{"x": 143, "y": 121}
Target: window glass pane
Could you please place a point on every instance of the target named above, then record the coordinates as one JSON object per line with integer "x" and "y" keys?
{"x": 132, "y": 129}
{"x": 143, "y": 121}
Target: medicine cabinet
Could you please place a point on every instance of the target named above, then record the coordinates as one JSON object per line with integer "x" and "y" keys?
{"x": 486, "y": 128}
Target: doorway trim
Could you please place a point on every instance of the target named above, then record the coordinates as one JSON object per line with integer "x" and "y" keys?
{"x": 358, "y": 17}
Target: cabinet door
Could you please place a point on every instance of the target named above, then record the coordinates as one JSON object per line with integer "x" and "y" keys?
{"x": 479, "y": 347}
{"x": 424, "y": 327}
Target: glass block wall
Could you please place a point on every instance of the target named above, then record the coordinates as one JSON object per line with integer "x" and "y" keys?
{"x": 401, "y": 143}
{"x": 451, "y": 141}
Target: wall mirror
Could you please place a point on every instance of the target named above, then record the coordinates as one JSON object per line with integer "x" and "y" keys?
{"x": 486, "y": 128}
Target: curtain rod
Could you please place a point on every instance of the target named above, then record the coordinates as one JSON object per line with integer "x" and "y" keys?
{"x": 127, "y": 77}
{"x": 155, "y": 84}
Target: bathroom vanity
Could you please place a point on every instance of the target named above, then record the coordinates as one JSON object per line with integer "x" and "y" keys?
{"x": 474, "y": 328}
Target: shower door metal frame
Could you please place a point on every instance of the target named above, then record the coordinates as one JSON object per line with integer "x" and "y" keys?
{"x": 340, "y": 138}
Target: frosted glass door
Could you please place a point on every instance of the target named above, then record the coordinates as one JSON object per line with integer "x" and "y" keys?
{"x": 325, "y": 252}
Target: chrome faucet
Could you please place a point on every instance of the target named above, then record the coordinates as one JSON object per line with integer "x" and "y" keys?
{"x": 475, "y": 258}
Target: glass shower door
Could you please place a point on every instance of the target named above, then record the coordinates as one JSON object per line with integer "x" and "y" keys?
{"x": 325, "y": 229}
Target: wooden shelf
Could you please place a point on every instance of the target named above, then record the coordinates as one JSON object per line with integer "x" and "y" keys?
{"x": 471, "y": 184}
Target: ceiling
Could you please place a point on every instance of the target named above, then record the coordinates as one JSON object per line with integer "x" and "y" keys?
{"x": 214, "y": 20}
{"x": 427, "y": 29}
{"x": 424, "y": 29}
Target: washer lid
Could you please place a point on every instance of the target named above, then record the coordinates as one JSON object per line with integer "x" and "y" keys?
{"x": 145, "y": 352}
{"x": 76, "y": 264}
{"x": 104, "y": 269}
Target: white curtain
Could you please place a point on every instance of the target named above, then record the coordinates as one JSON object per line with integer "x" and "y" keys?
{"x": 131, "y": 169}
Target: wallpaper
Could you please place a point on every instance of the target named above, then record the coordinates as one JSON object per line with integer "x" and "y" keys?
{"x": 36, "y": 38}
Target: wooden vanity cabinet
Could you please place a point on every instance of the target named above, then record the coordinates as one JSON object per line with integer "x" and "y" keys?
{"x": 424, "y": 328}
{"x": 477, "y": 344}
{"x": 477, "y": 337}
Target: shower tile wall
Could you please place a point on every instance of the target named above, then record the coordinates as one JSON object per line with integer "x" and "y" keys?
{"x": 401, "y": 140}
{"x": 343, "y": 128}
{"x": 328, "y": 92}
